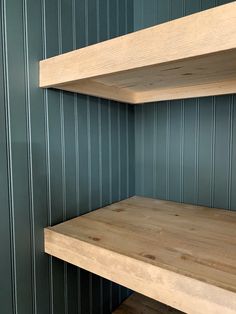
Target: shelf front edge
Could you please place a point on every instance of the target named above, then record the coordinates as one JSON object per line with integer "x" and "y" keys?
{"x": 176, "y": 290}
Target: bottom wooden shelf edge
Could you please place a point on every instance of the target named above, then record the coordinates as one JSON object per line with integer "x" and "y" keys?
{"x": 140, "y": 304}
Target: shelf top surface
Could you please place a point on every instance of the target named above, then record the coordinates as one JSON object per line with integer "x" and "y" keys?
{"x": 196, "y": 241}
{"x": 190, "y": 241}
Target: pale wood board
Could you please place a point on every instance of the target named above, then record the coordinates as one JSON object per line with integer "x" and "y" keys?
{"x": 193, "y": 56}
{"x": 181, "y": 255}
{"x": 139, "y": 304}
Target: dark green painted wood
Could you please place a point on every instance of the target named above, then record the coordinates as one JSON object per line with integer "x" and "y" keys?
{"x": 19, "y": 158}
{"x": 37, "y": 158}
{"x": 56, "y": 148}
{"x": 130, "y": 121}
{"x": 185, "y": 150}
{"x": 190, "y": 150}
{"x": 105, "y": 151}
{"x": 161, "y": 125}
{"x": 6, "y": 236}
{"x": 94, "y": 140}
{"x": 175, "y": 179}
{"x": 232, "y": 168}
{"x": 222, "y": 145}
{"x": 205, "y": 150}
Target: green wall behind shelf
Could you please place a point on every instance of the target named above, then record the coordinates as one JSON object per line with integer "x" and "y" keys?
{"x": 61, "y": 154}
{"x": 185, "y": 150}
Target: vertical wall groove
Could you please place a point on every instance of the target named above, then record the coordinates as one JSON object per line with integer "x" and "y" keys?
{"x": 182, "y": 151}
{"x": 9, "y": 157}
{"x": 231, "y": 128}
{"x": 154, "y": 151}
{"x": 168, "y": 151}
{"x": 30, "y": 161}
{"x": 127, "y": 149}
{"x": 62, "y": 138}
{"x": 196, "y": 173}
{"x": 213, "y": 136}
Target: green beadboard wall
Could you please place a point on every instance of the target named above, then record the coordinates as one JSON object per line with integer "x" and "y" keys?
{"x": 61, "y": 154}
{"x": 185, "y": 150}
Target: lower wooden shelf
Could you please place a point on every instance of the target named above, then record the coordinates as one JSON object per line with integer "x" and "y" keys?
{"x": 181, "y": 255}
{"x": 139, "y": 304}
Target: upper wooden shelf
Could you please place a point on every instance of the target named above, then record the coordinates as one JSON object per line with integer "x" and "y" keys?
{"x": 193, "y": 56}
{"x": 181, "y": 255}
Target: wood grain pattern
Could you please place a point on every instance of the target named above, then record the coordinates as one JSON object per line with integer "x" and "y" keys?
{"x": 193, "y": 56}
{"x": 139, "y": 304}
{"x": 181, "y": 255}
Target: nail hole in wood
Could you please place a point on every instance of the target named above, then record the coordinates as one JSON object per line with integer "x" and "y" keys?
{"x": 95, "y": 239}
{"x": 171, "y": 69}
{"x": 152, "y": 257}
{"x": 118, "y": 210}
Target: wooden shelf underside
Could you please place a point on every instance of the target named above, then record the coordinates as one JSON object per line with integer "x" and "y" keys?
{"x": 181, "y": 255}
{"x": 139, "y": 304}
{"x": 194, "y": 56}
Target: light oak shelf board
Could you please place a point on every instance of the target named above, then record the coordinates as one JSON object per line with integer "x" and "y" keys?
{"x": 181, "y": 255}
{"x": 139, "y": 304}
{"x": 194, "y": 56}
